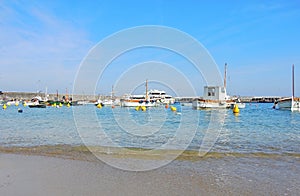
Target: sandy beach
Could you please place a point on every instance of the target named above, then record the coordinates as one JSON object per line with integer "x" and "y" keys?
{"x": 28, "y": 174}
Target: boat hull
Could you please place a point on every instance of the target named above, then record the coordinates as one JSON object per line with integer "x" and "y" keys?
{"x": 211, "y": 104}
{"x": 37, "y": 106}
{"x": 289, "y": 104}
{"x": 108, "y": 102}
{"x": 135, "y": 104}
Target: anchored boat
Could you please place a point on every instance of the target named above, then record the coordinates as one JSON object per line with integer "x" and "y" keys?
{"x": 290, "y": 103}
{"x": 36, "y": 102}
{"x": 139, "y": 100}
{"x": 213, "y": 97}
{"x": 216, "y": 97}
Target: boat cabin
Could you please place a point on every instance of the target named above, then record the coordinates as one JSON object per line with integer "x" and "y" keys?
{"x": 214, "y": 93}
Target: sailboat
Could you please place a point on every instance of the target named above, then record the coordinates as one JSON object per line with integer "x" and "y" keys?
{"x": 290, "y": 103}
{"x": 109, "y": 102}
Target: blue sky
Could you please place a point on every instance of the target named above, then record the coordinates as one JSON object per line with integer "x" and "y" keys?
{"x": 43, "y": 42}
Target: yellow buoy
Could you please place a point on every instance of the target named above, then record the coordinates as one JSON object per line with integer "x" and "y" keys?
{"x": 68, "y": 105}
{"x": 174, "y": 109}
{"x": 24, "y": 104}
{"x": 235, "y": 109}
{"x": 143, "y": 108}
{"x": 99, "y": 106}
{"x": 8, "y": 104}
{"x": 137, "y": 108}
{"x": 54, "y": 105}
{"x": 17, "y": 103}
{"x": 60, "y": 104}
{"x": 4, "y": 107}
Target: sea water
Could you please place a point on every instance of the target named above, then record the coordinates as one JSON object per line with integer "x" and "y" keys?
{"x": 256, "y": 129}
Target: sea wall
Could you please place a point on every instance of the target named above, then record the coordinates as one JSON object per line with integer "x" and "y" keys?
{"x": 30, "y": 95}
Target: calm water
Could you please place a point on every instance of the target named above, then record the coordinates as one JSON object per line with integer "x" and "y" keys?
{"x": 258, "y": 128}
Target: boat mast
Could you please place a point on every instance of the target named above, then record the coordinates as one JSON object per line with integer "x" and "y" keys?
{"x": 293, "y": 82}
{"x": 112, "y": 92}
{"x": 46, "y": 94}
{"x": 146, "y": 89}
{"x": 293, "y": 90}
{"x": 67, "y": 96}
{"x": 225, "y": 75}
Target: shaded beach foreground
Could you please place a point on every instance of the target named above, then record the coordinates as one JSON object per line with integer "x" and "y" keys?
{"x": 66, "y": 170}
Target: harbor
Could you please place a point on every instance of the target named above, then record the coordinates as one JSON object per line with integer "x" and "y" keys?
{"x": 212, "y": 133}
{"x": 149, "y": 98}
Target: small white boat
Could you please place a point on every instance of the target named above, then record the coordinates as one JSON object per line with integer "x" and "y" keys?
{"x": 82, "y": 102}
{"x": 13, "y": 102}
{"x": 112, "y": 101}
{"x": 108, "y": 102}
{"x": 215, "y": 97}
{"x": 37, "y": 100}
{"x": 290, "y": 103}
{"x": 240, "y": 104}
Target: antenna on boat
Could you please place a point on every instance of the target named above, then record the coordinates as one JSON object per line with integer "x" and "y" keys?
{"x": 225, "y": 75}
{"x": 293, "y": 85}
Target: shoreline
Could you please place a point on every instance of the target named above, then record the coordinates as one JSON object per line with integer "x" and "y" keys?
{"x": 75, "y": 173}
{"x": 89, "y": 153}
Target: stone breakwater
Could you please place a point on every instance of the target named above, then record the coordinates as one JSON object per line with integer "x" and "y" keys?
{"x": 54, "y": 96}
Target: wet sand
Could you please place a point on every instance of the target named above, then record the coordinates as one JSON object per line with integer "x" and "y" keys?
{"x": 31, "y": 174}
